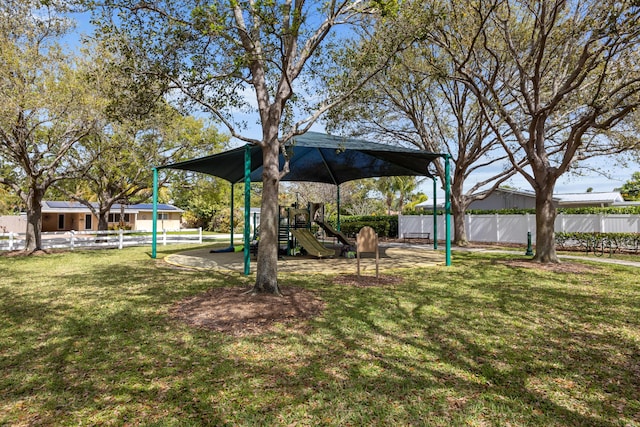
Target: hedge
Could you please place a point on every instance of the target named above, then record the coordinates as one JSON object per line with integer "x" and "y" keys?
{"x": 628, "y": 210}
{"x": 599, "y": 243}
{"x": 383, "y": 225}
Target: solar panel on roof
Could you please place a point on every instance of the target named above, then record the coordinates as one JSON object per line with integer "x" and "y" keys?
{"x": 57, "y": 204}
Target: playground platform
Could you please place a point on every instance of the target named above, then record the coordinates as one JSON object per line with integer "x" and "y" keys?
{"x": 391, "y": 257}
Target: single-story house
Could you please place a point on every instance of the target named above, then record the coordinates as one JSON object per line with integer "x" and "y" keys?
{"x": 66, "y": 216}
{"x": 584, "y": 200}
{"x": 505, "y": 198}
{"x": 501, "y": 198}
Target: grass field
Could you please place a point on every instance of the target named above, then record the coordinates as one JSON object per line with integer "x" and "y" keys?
{"x": 85, "y": 339}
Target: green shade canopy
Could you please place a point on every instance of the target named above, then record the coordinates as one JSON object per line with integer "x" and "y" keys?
{"x": 317, "y": 157}
{"x": 313, "y": 157}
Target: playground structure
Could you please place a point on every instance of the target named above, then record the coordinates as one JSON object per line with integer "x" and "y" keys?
{"x": 310, "y": 244}
{"x": 314, "y": 157}
{"x": 295, "y": 235}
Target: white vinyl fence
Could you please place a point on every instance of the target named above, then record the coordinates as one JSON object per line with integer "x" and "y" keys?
{"x": 513, "y": 228}
{"x": 101, "y": 239}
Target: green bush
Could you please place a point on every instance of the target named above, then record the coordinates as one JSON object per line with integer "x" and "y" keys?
{"x": 113, "y": 227}
{"x": 383, "y": 225}
{"x": 221, "y": 221}
{"x": 629, "y": 210}
{"x": 352, "y": 228}
{"x": 610, "y": 242}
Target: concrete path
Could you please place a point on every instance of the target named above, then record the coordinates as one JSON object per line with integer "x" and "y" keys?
{"x": 391, "y": 257}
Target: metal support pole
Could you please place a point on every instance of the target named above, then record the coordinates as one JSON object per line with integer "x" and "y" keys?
{"x": 154, "y": 225}
{"x": 338, "y": 225}
{"x": 447, "y": 207}
{"x": 435, "y": 215}
{"x": 231, "y": 217}
{"x": 247, "y": 207}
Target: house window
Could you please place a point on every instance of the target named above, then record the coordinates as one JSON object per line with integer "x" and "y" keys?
{"x": 115, "y": 217}
{"x": 60, "y": 221}
{"x": 162, "y": 216}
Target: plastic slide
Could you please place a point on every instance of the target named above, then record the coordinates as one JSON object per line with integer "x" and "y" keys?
{"x": 311, "y": 244}
{"x": 334, "y": 233}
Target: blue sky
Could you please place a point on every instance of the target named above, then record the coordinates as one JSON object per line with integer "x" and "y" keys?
{"x": 617, "y": 174}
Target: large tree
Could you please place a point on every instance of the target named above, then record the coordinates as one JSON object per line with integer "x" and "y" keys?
{"x": 397, "y": 190}
{"x": 46, "y": 108}
{"x": 355, "y": 196}
{"x": 232, "y": 57}
{"x": 561, "y": 76}
{"x": 125, "y": 150}
{"x": 417, "y": 102}
{"x": 138, "y": 129}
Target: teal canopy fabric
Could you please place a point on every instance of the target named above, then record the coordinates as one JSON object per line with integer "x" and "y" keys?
{"x": 317, "y": 157}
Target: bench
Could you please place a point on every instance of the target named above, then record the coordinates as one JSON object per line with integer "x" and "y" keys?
{"x": 424, "y": 236}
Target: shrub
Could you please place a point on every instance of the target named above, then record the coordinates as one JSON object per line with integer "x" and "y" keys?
{"x": 383, "y": 225}
{"x": 610, "y": 242}
{"x": 221, "y": 221}
{"x": 629, "y": 210}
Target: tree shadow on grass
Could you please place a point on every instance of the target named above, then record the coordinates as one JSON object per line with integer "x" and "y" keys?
{"x": 446, "y": 347}
{"x": 470, "y": 360}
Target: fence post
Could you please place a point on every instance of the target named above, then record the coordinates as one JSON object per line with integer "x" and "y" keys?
{"x": 164, "y": 237}
{"x": 602, "y": 226}
{"x": 497, "y": 228}
{"x": 120, "y": 238}
{"x": 200, "y": 235}
{"x": 73, "y": 239}
{"x": 10, "y": 241}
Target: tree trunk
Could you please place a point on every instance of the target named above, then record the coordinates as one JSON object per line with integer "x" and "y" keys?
{"x": 545, "y": 226}
{"x": 458, "y": 210}
{"x": 103, "y": 221}
{"x": 33, "y": 238}
{"x": 267, "y": 266}
{"x": 459, "y": 227}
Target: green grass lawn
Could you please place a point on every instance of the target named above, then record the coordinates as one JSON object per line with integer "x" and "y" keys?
{"x": 85, "y": 339}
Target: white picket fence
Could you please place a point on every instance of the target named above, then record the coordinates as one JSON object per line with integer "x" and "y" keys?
{"x": 513, "y": 228}
{"x": 101, "y": 239}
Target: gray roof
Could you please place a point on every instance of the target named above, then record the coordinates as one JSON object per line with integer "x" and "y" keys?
{"x": 612, "y": 198}
{"x": 63, "y": 206}
{"x": 575, "y": 198}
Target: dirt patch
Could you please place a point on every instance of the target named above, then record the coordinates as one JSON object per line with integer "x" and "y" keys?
{"x": 237, "y": 312}
{"x": 367, "y": 281}
{"x": 39, "y": 252}
{"x": 563, "y": 267}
